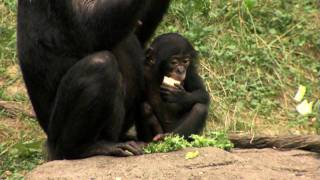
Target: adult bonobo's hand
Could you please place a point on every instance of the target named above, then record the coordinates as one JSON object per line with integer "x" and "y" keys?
{"x": 173, "y": 94}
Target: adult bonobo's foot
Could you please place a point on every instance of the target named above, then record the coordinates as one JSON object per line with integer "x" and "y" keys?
{"x": 125, "y": 149}
{"x": 101, "y": 148}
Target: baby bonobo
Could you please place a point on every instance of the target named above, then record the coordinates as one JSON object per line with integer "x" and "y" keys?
{"x": 176, "y": 99}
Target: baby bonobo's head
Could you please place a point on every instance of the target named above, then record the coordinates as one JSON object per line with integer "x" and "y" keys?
{"x": 177, "y": 66}
{"x": 172, "y": 55}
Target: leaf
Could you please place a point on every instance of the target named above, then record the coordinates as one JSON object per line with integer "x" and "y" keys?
{"x": 305, "y": 107}
{"x": 170, "y": 143}
{"x": 272, "y": 31}
{"x": 300, "y": 94}
{"x": 192, "y": 154}
{"x": 175, "y": 142}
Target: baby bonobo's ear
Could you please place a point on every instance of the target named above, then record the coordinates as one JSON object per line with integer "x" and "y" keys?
{"x": 150, "y": 60}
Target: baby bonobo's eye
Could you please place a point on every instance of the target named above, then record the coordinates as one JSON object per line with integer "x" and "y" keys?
{"x": 186, "y": 61}
{"x": 174, "y": 61}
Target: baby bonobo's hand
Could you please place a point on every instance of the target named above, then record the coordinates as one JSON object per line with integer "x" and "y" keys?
{"x": 160, "y": 137}
{"x": 174, "y": 94}
{"x": 179, "y": 86}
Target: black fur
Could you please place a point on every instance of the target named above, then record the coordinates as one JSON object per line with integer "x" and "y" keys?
{"x": 83, "y": 67}
{"x": 151, "y": 19}
{"x": 183, "y": 112}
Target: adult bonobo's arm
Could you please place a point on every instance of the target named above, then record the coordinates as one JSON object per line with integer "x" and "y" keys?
{"x": 150, "y": 19}
{"x": 112, "y": 19}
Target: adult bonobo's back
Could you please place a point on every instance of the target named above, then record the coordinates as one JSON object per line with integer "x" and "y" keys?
{"x": 82, "y": 64}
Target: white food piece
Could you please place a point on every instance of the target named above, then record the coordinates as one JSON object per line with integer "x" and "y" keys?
{"x": 305, "y": 107}
{"x": 170, "y": 82}
{"x": 300, "y": 94}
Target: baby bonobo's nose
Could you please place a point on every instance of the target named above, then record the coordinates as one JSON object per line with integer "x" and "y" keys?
{"x": 181, "y": 70}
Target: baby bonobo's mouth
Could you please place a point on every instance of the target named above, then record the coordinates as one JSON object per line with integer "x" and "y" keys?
{"x": 177, "y": 76}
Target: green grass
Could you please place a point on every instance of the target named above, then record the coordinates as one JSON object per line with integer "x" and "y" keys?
{"x": 253, "y": 56}
{"x": 20, "y": 138}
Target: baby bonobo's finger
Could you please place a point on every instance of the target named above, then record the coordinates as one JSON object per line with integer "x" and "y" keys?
{"x": 160, "y": 137}
{"x": 179, "y": 86}
{"x": 164, "y": 87}
{"x": 168, "y": 88}
{"x": 165, "y": 92}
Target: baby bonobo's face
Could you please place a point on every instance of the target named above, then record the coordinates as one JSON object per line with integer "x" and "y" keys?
{"x": 177, "y": 67}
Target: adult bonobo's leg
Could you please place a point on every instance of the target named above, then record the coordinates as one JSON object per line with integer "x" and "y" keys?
{"x": 90, "y": 99}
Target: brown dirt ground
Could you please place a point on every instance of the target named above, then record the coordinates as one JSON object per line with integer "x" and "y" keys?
{"x": 211, "y": 164}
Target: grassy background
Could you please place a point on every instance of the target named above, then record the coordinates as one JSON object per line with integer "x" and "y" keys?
{"x": 254, "y": 55}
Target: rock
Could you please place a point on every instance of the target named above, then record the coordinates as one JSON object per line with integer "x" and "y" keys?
{"x": 210, "y": 164}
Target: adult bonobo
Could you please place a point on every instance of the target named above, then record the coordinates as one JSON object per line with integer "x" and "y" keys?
{"x": 176, "y": 99}
{"x": 82, "y": 62}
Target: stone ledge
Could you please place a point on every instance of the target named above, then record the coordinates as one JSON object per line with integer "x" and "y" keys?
{"x": 211, "y": 164}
